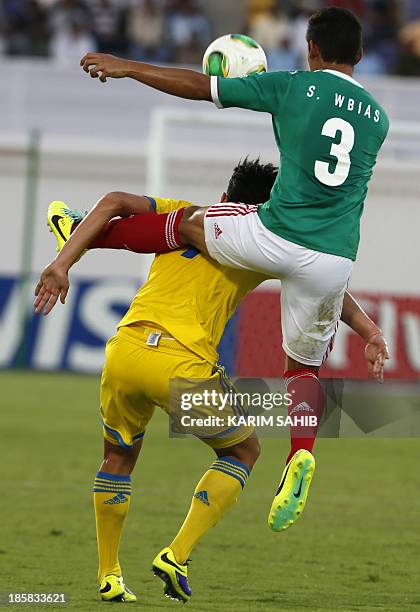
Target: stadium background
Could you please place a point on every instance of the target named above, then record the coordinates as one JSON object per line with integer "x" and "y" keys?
{"x": 65, "y": 136}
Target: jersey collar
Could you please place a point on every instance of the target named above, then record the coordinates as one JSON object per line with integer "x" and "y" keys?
{"x": 346, "y": 77}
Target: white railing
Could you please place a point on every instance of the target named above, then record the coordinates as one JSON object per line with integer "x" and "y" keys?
{"x": 243, "y": 132}
{"x": 63, "y": 99}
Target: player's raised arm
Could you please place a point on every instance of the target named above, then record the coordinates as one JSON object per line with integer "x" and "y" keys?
{"x": 179, "y": 82}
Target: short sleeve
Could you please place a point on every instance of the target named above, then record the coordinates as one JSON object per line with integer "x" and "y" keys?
{"x": 260, "y": 92}
{"x": 166, "y": 205}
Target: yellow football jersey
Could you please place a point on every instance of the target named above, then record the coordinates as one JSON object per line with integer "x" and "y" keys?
{"x": 190, "y": 295}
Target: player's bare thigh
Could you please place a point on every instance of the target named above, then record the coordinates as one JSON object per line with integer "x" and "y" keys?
{"x": 291, "y": 364}
{"x": 191, "y": 228}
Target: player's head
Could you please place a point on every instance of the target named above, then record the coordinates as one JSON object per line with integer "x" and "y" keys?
{"x": 251, "y": 182}
{"x": 334, "y": 36}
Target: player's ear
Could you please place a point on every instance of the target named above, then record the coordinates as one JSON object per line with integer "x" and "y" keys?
{"x": 224, "y": 197}
{"x": 359, "y": 56}
{"x": 313, "y": 50}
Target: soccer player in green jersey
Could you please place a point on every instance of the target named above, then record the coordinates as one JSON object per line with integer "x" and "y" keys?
{"x": 329, "y": 130}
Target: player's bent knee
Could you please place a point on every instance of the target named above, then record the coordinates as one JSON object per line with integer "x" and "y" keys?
{"x": 187, "y": 221}
{"x": 189, "y": 212}
{"x": 119, "y": 460}
{"x": 246, "y": 452}
{"x": 253, "y": 448}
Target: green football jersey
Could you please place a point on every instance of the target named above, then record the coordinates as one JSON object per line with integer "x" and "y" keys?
{"x": 329, "y": 130}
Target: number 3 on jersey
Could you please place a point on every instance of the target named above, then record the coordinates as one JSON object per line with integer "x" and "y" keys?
{"x": 340, "y": 150}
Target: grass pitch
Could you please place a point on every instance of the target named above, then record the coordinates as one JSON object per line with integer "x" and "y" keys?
{"x": 355, "y": 548}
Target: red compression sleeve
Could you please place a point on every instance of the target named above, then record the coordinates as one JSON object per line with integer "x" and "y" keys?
{"x": 307, "y": 400}
{"x": 145, "y": 233}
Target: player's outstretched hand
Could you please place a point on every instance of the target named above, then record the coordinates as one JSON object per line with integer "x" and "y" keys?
{"x": 376, "y": 353}
{"x": 53, "y": 284}
{"x": 101, "y": 66}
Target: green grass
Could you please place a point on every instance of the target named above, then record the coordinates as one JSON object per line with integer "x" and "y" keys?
{"x": 355, "y": 548}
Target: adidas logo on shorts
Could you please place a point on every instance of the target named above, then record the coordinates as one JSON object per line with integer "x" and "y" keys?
{"x": 217, "y": 231}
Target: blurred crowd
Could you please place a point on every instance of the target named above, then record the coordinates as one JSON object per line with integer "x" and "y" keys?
{"x": 153, "y": 30}
{"x": 179, "y": 30}
{"x": 391, "y": 32}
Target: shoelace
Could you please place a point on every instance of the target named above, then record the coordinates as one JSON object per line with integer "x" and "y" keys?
{"x": 76, "y": 215}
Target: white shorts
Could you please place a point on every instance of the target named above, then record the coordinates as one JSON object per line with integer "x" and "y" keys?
{"x": 313, "y": 283}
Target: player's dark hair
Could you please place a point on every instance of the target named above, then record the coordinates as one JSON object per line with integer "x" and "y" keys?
{"x": 251, "y": 182}
{"x": 338, "y": 34}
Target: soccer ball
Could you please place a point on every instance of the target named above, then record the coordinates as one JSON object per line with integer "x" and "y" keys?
{"x": 234, "y": 55}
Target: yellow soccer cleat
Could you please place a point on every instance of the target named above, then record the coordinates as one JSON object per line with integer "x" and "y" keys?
{"x": 290, "y": 499}
{"x": 173, "y": 574}
{"x": 60, "y": 221}
{"x": 113, "y": 589}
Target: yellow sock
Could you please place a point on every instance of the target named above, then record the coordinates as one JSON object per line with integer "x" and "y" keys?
{"x": 218, "y": 489}
{"x": 111, "y": 498}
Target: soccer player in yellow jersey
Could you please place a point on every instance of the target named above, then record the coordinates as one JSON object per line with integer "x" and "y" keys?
{"x": 171, "y": 330}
